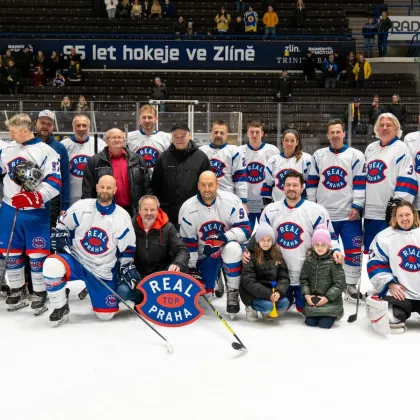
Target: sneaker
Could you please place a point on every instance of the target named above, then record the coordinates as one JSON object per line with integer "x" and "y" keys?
{"x": 251, "y": 314}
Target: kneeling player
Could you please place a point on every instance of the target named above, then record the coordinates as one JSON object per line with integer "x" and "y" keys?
{"x": 100, "y": 231}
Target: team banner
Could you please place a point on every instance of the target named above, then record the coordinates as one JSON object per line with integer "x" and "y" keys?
{"x": 146, "y": 54}
{"x": 404, "y": 24}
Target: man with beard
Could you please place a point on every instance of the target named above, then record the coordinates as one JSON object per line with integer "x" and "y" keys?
{"x": 100, "y": 235}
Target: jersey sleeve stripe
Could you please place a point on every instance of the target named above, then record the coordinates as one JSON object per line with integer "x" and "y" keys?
{"x": 75, "y": 219}
{"x": 400, "y": 159}
{"x": 406, "y": 185}
{"x": 354, "y": 164}
{"x": 317, "y": 222}
{"x": 123, "y": 234}
{"x": 186, "y": 221}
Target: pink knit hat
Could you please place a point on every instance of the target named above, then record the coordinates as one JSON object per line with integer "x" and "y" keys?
{"x": 321, "y": 235}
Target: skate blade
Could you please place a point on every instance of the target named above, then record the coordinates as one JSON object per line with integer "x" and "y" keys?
{"x": 232, "y": 317}
{"x": 40, "y": 311}
{"x": 62, "y": 321}
{"x": 13, "y": 308}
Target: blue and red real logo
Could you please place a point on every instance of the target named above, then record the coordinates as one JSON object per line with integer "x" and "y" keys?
{"x": 149, "y": 154}
{"x": 255, "y": 172}
{"x": 376, "y": 171}
{"x": 12, "y": 164}
{"x": 334, "y": 178}
{"x": 218, "y": 167}
{"x": 170, "y": 299}
{"x": 410, "y": 258}
{"x": 78, "y": 165}
{"x": 280, "y": 178}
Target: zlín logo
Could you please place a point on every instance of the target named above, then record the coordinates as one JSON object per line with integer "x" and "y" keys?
{"x": 170, "y": 299}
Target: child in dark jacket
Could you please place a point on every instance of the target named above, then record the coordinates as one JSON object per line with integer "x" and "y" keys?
{"x": 266, "y": 266}
{"x": 323, "y": 282}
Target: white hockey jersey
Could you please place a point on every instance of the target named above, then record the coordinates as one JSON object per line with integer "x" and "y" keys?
{"x": 294, "y": 227}
{"x": 37, "y": 152}
{"x": 337, "y": 181}
{"x": 228, "y": 164}
{"x": 277, "y": 167}
{"x": 256, "y": 161}
{"x": 79, "y": 153}
{"x": 198, "y": 221}
{"x": 149, "y": 147}
{"x": 389, "y": 172}
{"x": 412, "y": 140}
{"x": 100, "y": 235}
{"x": 395, "y": 256}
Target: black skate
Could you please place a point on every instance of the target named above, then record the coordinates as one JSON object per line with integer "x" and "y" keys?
{"x": 60, "y": 316}
{"x": 82, "y": 295}
{"x": 4, "y": 290}
{"x": 232, "y": 302}
{"x": 39, "y": 303}
{"x": 17, "y": 298}
{"x": 219, "y": 290}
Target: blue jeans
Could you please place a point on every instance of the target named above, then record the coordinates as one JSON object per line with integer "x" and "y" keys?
{"x": 382, "y": 44}
{"x": 266, "y": 306}
{"x": 240, "y": 5}
{"x": 270, "y": 32}
{"x": 320, "y": 321}
{"x": 294, "y": 295}
{"x": 368, "y": 47}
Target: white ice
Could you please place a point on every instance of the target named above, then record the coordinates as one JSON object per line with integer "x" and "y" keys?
{"x": 89, "y": 369}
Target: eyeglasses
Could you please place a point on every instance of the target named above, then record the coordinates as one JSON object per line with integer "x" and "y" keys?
{"x": 115, "y": 138}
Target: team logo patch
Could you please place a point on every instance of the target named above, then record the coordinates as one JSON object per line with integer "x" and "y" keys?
{"x": 255, "y": 172}
{"x": 356, "y": 259}
{"x": 210, "y": 228}
{"x": 376, "y": 171}
{"x": 410, "y": 258}
{"x": 250, "y": 19}
{"x": 78, "y": 165}
{"x": 111, "y": 301}
{"x": 170, "y": 299}
{"x": 95, "y": 241}
{"x": 39, "y": 242}
{"x": 334, "y": 178}
{"x": 357, "y": 241}
{"x": 280, "y": 178}
{"x": 149, "y": 154}
{"x": 218, "y": 167}
{"x": 417, "y": 163}
{"x": 289, "y": 235}
{"x": 12, "y": 164}
{"x": 14, "y": 262}
{"x": 35, "y": 265}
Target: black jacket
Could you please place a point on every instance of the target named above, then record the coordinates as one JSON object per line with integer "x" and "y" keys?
{"x": 14, "y": 74}
{"x": 309, "y": 64}
{"x": 398, "y": 110}
{"x": 374, "y": 113}
{"x": 384, "y": 25}
{"x": 159, "y": 92}
{"x": 175, "y": 177}
{"x": 99, "y": 165}
{"x": 160, "y": 247}
{"x": 299, "y": 17}
{"x": 284, "y": 86}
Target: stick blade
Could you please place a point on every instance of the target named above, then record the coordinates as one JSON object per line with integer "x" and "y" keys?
{"x": 239, "y": 346}
{"x": 352, "y": 318}
{"x": 169, "y": 348}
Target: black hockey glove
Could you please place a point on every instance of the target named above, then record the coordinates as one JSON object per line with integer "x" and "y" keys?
{"x": 60, "y": 238}
{"x": 130, "y": 275}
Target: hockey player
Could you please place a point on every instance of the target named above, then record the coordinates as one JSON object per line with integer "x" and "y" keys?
{"x": 412, "y": 140}
{"x": 256, "y": 153}
{"x": 101, "y": 232}
{"x": 294, "y": 220}
{"x": 278, "y": 166}
{"x": 148, "y": 142}
{"x": 337, "y": 181}
{"x": 32, "y": 229}
{"x": 390, "y": 171}
{"x": 214, "y": 224}
{"x": 393, "y": 269}
{"x": 80, "y": 147}
{"x": 226, "y": 162}
{"x": 3, "y": 285}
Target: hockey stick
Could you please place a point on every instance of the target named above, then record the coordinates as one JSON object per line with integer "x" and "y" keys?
{"x": 353, "y": 317}
{"x": 169, "y": 347}
{"x": 237, "y": 346}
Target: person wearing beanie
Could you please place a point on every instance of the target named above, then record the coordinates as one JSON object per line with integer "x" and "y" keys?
{"x": 265, "y": 271}
{"x": 322, "y": 282}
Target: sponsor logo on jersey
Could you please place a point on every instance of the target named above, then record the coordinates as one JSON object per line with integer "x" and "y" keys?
{"x": 149, "y": 154}
{"x": 410, "y": 258}
{"x": 289, "y": 235}
{"x": 357, "y": 241}
{"x": 13, "y": 163}
{"x": 14, "y": 262}
{"x": 417, "y": 163}
{"x": 35, "y": 265}
{"x": 218, "y": 167}
{"x": 255, "y": 172}
{"x": 210, "y": 228}
{"x": 376, "y": 171}
{"x": 95, "y": 241}
{"x": 170, "y": 299}
{"x": 111, "y": 301}
{"x": 39, "y": 242}
{"x": 78, "y": 165}
{"x": 334, "y": 178}
{"x": 280, "y": 178}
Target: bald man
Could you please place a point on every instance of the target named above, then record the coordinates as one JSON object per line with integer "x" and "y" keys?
{"x": 214, "y": 224}
{"x": 97, "y": 231}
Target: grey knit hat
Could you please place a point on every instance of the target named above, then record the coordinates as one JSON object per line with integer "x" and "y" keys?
{"x": 264, "y": 229}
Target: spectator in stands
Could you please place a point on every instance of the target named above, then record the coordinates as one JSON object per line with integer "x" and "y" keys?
{"x": 222, "y": 20}
{"x": 66, "y": 104}
{"x": 111, "y": 8}
{"x": 82, "y": 105}
{"x": 39, "y": 76}
{"x": 266, "y": 3}
{"x": 54, "y": 65}
{"x": 238, "y": 26}
{"x": 13, "y": 77}
{"x": 59, "y": 80}
{"x": 159, "y": 92}
{"x": 39, "y": 59}
{"x": 369, "y": 30}
{"x": 8, "y": 55}
{"x": 398, "y": 109}
{"x": 168, "y": 9}
{"x": 354, "y": 116}
{"x": 374, "y": 111}
{"x": 136, "y": 10}
{"x": 74, "y": 74}
{"x": 330, "y": 70}
{"x": 362, "y": 72}
{"x": 341, "y": 63}
{"x": 190, "y": 29}
{"x": 284, "y": 88}
{"x": 384, "y": 26}
{"x": 146, "y": 9}
{"x": 309, "y": 66}
{"x": 299, "y": 15}
{"x": 251, "y": 20}
{"x": 240, "y": 6}
{"x": 75, "y": 57}
{"x": 24, "y": 61}
{"x": 180, "y": 27}
{"x": 156, "y": 10}
{"x": 270, "y": 21}
{"x": 2, "y": 76}
{"x": 123, "y": 9}
{"x": 351, "y": 61}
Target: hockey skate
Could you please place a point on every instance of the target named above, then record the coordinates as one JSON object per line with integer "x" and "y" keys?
{"x": 17, "y": 298}
{"x": 60, "y": 316}
{"x": 4, "y": 287}
{"x": 350, "y": 294}
{"x": 251, "y": 314}
{"x": 219, "y": 290}
{"x": 39, "y": 303}
{"x": 232, "y": 303}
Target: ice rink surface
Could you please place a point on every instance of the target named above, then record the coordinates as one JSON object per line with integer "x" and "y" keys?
{"x": 88, "y": 369}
